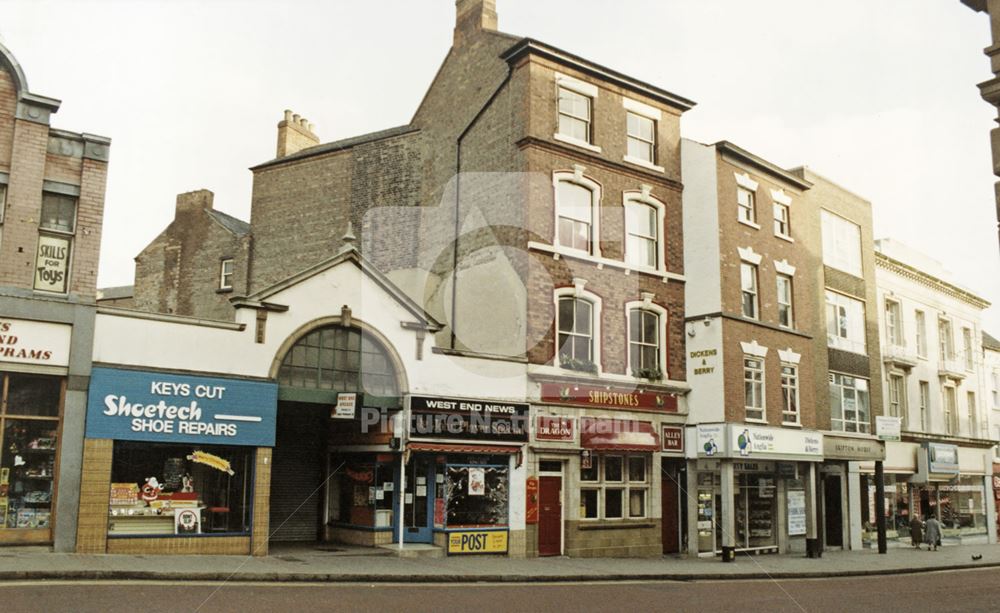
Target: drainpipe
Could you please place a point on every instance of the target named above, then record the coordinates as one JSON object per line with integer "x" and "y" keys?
{"x": 458, "y": 185}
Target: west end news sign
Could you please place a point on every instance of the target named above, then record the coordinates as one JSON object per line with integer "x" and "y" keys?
{"x": 157, "y": 407}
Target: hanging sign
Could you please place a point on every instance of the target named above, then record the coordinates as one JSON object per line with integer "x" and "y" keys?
{"x": 888, "y": 428}
{"x": 52, "y": 264}
{"x": 347, "y": 403}
{"x": 554, "y": 428}
{"x": 34, "y": 342}
{"x": 673, "y": 439}
{"x": 159, "y": 407}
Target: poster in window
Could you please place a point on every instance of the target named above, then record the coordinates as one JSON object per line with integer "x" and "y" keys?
{"x": 52, "y": 264}
{"x": 477, "y": 481}
{"x": 187, "y": 521}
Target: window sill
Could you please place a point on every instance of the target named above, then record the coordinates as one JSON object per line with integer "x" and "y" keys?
{"x": 748, "y": 223}
{"x": 791, "y": 424}
{"x": 569, "y": 140}
{"x": 784, "y": 237}
{"x": 751, "y": 420}
{"x": 224, "y": 290}
{"x": 601, "y": 262}
{"x": 643, "y": 163}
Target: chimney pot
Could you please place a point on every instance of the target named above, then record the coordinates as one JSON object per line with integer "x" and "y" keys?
{"x": 473, "y": 17}
{"x": 288, "y": 115}
{"x": 294, "y": 134}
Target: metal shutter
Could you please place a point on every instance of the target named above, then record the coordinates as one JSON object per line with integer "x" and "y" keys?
{"x": 297, "y": 472}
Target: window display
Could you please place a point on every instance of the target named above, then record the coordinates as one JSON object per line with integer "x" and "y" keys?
{"x": 361, "y": 490}
{"x": 755, "y": 511}
{"x": 615, "y": 487}
{"x": 477, "y": 494}
{"x": 180, "y": 489}
{"x": 963, "y": 509}
{"x": 29, "y": 427}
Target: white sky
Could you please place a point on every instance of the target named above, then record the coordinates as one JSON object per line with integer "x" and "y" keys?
{"x": 877, "y": 95}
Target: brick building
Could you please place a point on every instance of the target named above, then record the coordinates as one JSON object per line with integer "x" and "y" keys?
{"x": 533, "y": 206}
{"x": 51, "y": 209}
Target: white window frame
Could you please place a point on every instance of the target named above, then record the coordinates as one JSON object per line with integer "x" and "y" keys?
{"x": 226, "y": 277}
{"x": 643, "y": 197}
{"x": 967, "y": 348}
{"x": 790, "y": 381}
{"x": 843, "y": 305}
{"x": 859, "y": 425}
{"x": 626, "y": 485}
{"x": 748, "y": 208}
{"x": 753, "y": 291}
{"x": 577, "y": 291}
{"x": 782, "y": 220}
{"x": 949, "y": 409}
{"x": 896, "y": 382}
{"x": 581, "y": 88}
{"x": 970, "y": 400}
{"x": 756, "y": 377}
{"x": 791, "y": 299}
{"x": 648, "y": 146}
{"x": 924, "y": 390}
{"x": 920, "y": 318}
{"x": 894, "y": 323}
{"x": 3, "y": 199}
{"x": 946, "y": 340}
{"x": 76, "y": 214}
{"x": 839, "y": 236}
{"x": 995, "y": 391}
{"x": 648, "y": 112}
{"x": 661, "y": 313}
{"x": 577, "y": 177}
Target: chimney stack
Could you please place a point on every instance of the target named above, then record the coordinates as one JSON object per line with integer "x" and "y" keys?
{"x": 295, "y": 133}
{"x": 472, "y": 17}
{"x": 197, "y": 200}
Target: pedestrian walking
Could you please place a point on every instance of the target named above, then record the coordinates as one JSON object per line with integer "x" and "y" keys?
{"x": 932, "y": 533}
{"x": 916, "y": 531}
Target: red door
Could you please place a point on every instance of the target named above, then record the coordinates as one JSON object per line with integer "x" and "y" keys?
{"x": 671, "y": 512}
{"x": 549, "y": 516}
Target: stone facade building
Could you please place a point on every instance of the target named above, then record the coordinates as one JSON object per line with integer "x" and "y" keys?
{"x": 52, "y": 186}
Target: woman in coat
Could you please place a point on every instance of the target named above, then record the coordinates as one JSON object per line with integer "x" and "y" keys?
{"x": 932, "y": 535}
{"x": 916, "y": 531}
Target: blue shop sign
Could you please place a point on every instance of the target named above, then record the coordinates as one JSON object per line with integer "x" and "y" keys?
{"x": 158, "y": 407}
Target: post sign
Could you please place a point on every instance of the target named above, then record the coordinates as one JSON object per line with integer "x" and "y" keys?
{"x": 888, "y": 428}
{"x": 477, "y": 541}
{"x": 554, "y": 428}
{"x": 604, "y": 397}
{"x": 454, "y": 418}
{"x": 347, "y": 403}
{"x": 158, "y": 407}
{"x": 673, "y": 439}
{"x": 52, "y": 264}
{"x": 34, "y": 342}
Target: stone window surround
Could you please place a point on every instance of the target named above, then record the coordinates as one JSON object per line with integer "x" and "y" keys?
{"x": 577, "y": 291}
{"x": 647, "y": 304}
{"x": 644, "y": 196}
{"x": 577, "y": 177}
{"x": 755, "y": 350}
{"x": 563, "y": 81}
{"x": 649, "y": 112}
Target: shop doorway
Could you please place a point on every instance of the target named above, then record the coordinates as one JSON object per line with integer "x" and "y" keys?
{"x": 550, "y": 518}
{"x": 833, "y": 518}
{"x": 418, "y": 500}
{"x": 670, "y": 505}
{"x": 297, "y": 472}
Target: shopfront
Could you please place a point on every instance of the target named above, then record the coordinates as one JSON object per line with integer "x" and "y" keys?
{"x": 841, "y": 496}
{"x": 171, "y": 461}
{"x": 929, "y": 478}
{"x": 597, "y": 462}
{"x": 34, "y": 357}
{"x": 463, "y": 484}
{"x": 750, "y": 485}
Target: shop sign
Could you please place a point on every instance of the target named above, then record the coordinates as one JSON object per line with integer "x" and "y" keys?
{"x": 554, "y": 428}
{"x": 711, "y": 439}
{"x": 700, "y": 360}
{"x": 158, "y": 407}
{"x": 888, "y": 428}
{"x": 942, "y": 459}
{"x": 754, "y": 467}
{"x": 347, "y": 403}
{"x": 34, "y": 342}
{"x": 796, "y": 512}
{"x": 52, "y": 264}
{"x": 673, "y": 439}
{"x": 453, "y": 418}
{"x": 606, "y": 397}
{"x": 748, "y": 441}
{"x": 853, "y": 449}
{"x": 477, "y": 541}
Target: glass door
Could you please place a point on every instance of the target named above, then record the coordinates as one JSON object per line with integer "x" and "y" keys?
{"x": 418, "y": 498}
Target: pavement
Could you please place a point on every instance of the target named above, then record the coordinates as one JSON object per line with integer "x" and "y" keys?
{"x": 307, "y": 564}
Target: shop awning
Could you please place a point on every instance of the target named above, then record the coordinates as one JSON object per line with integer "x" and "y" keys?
{"x": 462, "y": 448}
{"x": 618, "y": 435}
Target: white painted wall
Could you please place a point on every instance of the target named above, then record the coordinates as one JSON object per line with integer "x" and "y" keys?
{"x": 706, "y": 401}
{"x": 699, "y": 172}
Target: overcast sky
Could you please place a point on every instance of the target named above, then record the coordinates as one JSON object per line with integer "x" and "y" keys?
{"x": 877, "y": 95}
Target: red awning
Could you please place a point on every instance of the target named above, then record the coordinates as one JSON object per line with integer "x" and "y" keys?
{"x": 618, "y": 435}
{"x": 462, "y": 448}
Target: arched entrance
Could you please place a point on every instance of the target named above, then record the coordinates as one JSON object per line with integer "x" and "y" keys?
{"x": 325, "y": 469}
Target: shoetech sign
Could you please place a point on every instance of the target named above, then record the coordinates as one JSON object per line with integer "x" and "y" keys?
{"x": 158, "y": 407}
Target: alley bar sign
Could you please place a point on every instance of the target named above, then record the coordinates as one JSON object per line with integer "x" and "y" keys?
{"x": 159, "y": 407}
{"x": 433, "y": 417}
{"x": 608, "y": 397}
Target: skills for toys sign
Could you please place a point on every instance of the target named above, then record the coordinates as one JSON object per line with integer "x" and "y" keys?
{"x": 160, "y": 407}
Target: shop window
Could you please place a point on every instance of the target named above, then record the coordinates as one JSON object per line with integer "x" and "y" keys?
{"x": 963, "y": 508}
{"x": 754, "y": 511}
{"x": 30, "y": 406}
{"x": 615, "y": 487}
{"x": 361, "y": 491}
{"x": 159, "y": 488}
{"x": 340, "y": 359}
{"x": 849, "y": 403}
{"x": 477, "y": 495}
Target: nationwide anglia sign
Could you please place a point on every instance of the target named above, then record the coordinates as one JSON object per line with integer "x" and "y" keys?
{"x": 159, "y": 407}
{"x": 458, "y": 418}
